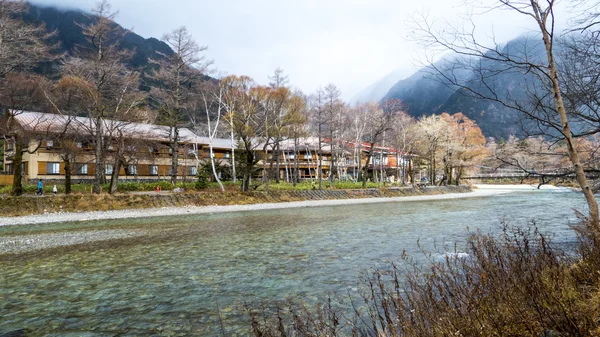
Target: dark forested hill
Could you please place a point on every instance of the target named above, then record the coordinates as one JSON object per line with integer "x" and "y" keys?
{"x": 426, "y": 92}
{"x": 69, "y": 35}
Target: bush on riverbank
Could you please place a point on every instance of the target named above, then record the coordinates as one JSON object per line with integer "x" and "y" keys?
{"x": 517, "y": 284}
{"x": 126, "y": 186}
{"x": 132, "y": 186}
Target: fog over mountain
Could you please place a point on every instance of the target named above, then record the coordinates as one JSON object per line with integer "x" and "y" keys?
{"x": 379, "y": 89}
{"x": 427, "y": 92}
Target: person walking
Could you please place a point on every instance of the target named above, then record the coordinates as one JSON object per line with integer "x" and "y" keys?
{"x": 40, "y": 188}
{"x": 54, "y": 190}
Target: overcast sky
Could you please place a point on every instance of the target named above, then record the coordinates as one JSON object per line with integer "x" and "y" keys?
{"x": 350, "y": 43}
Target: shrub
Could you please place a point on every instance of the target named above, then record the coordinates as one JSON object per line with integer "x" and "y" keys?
{"x": 202, "y": 180}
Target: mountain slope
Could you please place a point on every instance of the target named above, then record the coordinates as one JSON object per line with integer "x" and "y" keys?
{"x": 70, "y": 35}
{"x": 427, "y": 92}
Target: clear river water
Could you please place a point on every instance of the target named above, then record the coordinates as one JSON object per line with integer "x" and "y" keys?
{"x": 170, "y": 278}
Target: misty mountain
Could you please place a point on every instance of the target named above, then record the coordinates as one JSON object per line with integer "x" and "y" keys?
{"x": 379, "y": 89}
{"x": 69, "y": 35}
{"x": 429, "y": 92}
{"x": 425, "y": 92}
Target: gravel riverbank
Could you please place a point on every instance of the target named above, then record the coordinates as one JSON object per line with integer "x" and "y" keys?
{"x": 175, "y": 211}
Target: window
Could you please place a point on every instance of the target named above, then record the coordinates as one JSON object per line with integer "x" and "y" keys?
{"x": 131, "y": 148}
{"x": 108, "y": 169}
{"x": 82, "y": 169}
{"x": 8, "y": 168}
{"x": 153, "y": 170}
{"x": 192, "y": 170}
{"x": 132, "y": 170}
{"x": 227, "y": 155}
{"x": 49, "y": 143}
{"x": 79, "y": 144}
{"x": 52, "y": 168}
{"x": 9, "y": 145}
{"x": 290, "y": 156}
{"x": 307, "y": 156}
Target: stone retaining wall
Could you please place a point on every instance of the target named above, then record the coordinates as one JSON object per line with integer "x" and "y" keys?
{"x": 26, "y": 205}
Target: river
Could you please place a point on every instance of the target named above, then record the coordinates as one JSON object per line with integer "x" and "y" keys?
{"x": 171, "y": 274}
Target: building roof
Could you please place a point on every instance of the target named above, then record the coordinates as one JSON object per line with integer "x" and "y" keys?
{"x": 305, "y": 144}
{"x": 217, "y": 143}
{"x": 57, "y": 124}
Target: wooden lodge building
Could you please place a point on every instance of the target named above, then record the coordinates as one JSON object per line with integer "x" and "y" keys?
{"x": 147, "y": 154}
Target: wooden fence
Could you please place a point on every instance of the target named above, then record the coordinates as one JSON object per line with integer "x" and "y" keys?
{"x": 6, "y": 179}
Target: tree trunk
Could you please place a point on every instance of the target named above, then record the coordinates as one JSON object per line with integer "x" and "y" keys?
{"x": 248, "y": 171}
{"x": 114, "y": 177}
{"x": 320, "y": 168}
{"x": 212, "y": 163}
{"x": 68, "y": 174}
{"x": 359, "y": 163}
{"x": 233, "y": 173}
{"x": 411, "y": 172}
{"x": 366, "y": 167}
{"x": 175, "y": 153}
{"x": 459, "y": 174}
{"x": 296, "y": 177}
{"x": 17, "y": 188}
{"x": 267, "y": 173}
{"x": 99, "y": 175}
{"x": 332, "y": 167}
{"x": 398, "y": 168}
{"x": 573, "y": 155}
{"x": 277, "y": 162}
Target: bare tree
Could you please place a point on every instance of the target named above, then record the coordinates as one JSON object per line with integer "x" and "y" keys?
{"x": 248, "y": 122}
{"x": 334, "y": 111}
{"x": 22, "y": 46}
{"x": 359, "y": 115}
{"x": 110, "y": 88}
{"x": 402, "y": 137}
{"x": 296, "y": 121}
{"x": 177, "y": 79}
{"x": 545, "y": 104}
{"x": 213, "y": 100}
{"x": 280, "y": 104}
{"x": 377, "y": 124}
{"x": 319, "y": 121}
{"x": 19, "y": 93}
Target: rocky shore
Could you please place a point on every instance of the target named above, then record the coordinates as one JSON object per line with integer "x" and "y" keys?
{"x": 16, "y": 243}
{"x": 54, "y": 217}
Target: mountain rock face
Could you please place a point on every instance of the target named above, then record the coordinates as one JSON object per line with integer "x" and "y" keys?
{"x": 429, "y": 91}
{"x": 69, "y": 35}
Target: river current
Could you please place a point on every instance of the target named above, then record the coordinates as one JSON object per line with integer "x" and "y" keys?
{"x": 176, "y": 274}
